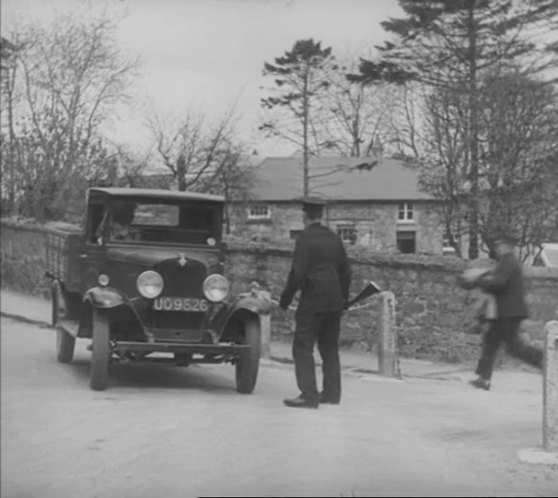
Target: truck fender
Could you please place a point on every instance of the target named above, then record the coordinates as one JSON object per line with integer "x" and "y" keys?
{"x": 104, "y": 297}
{"x": 246, "y": 306}
{"x": 256, "y": 301}
{"x": 58, "y": 301}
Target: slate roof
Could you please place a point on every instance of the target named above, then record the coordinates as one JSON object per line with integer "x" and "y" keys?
{"x": 157, "y": 193}
{"x": 338, "y": 178}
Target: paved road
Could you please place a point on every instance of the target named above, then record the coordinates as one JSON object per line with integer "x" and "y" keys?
{"x": 171, "y": 432}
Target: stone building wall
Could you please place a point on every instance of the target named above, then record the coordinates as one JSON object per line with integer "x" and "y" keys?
{"x": 432, "y": 313}
{"x": 376, "y": 223}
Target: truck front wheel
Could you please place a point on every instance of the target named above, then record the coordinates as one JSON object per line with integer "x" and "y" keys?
{"x": 248, "y": 363}
{"x": 65, "y": 343}
{"x": 100, "y": 356}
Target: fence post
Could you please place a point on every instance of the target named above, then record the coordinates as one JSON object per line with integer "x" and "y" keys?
{"x": 388, "y": 361}
{"x": 548, "y": 454}
{"x": 550, "y": 388}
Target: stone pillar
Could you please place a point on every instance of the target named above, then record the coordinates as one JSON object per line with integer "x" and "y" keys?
{"x": 265, "y": 318}
{"x": 265, "y": 324}
{"x": 550, "y": 388}
{"x": 388, "y": 361}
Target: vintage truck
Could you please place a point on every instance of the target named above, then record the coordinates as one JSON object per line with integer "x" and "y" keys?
{"x": 144, "y": 280}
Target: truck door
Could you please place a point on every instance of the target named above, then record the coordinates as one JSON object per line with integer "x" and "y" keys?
{"x": 92, "y": 257}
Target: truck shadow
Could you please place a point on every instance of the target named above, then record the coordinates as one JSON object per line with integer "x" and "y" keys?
{"x": 213, "y": 378}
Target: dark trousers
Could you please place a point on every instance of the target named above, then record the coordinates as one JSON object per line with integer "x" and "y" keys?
{"x": 505, "y": 330}
{"x": 323, "y": 328}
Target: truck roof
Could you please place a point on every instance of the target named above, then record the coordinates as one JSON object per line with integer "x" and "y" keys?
{"x": 156, "y": 193}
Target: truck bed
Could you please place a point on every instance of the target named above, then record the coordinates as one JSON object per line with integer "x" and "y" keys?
{"x": 62, "y": 256}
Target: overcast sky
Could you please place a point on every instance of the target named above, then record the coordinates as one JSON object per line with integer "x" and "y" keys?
{"x": 209, "y": 53}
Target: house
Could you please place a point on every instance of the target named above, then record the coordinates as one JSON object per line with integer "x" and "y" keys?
{"x": 548, "y": 256}
{"x": 372, "y": 202}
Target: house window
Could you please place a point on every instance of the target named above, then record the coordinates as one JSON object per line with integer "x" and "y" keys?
{"x": 259, "y": 212}
{"x": 406, "y": 242}
{"x": 347, "y": 233}
{"x": 405, "y": 212}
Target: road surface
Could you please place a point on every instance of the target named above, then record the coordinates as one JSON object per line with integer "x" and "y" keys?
{"x": 182, "y": 432}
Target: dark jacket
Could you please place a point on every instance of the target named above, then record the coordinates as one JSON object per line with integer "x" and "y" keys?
{"x": 320, "y": 270}
{"x": 506, "y": 284}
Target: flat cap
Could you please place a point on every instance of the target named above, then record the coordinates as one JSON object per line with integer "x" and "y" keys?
{"x": 314, "y": 203}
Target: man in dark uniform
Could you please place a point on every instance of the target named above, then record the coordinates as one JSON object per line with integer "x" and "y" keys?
{"x": 505, "y": 283}
{"x": 320, "y": 270}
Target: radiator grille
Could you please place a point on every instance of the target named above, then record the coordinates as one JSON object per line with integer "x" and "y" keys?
{"x": 182, "y": 281}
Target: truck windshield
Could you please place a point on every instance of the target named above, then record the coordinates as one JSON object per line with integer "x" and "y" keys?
{"x": 168, "y": 222}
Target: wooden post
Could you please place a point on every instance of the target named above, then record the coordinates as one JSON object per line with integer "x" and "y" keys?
{"x": 388, "y": 361}
{"x": 550, "y": 388}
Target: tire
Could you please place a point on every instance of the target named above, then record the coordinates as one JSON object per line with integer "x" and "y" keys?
{"x": 248, "y": 363}
{"x": 65, "y": 343}
{"x": 100, "y": 355}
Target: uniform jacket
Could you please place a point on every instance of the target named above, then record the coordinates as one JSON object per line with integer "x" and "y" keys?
{"x": 320, "y": 270}
{"x": 506, "y": 284}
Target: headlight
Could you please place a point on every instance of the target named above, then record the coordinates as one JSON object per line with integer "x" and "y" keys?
{"x": 150, "y": 284}
{"x": 216, "y": 287}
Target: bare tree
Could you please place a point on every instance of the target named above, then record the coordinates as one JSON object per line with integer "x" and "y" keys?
{"x": 191, "y": 147}
{"x": 72, "y": 75}
{"x": 405, "y": 122}
{"x": 131, "y": 169}
{"x": 356, "y": 115}
{"x": 440, "y": 145}
{"x": 234, "y": 180}
{"x": 517, "y": 156}
{"x": 438, "y": 42}
{"x": 519, "y": 134}
{"x": 10, "y": 97}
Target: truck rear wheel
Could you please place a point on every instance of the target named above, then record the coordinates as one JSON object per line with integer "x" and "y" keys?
{"x": 65, "y": 343}
{"x": 248, "y": 363}
{"x": 100, "y": 356}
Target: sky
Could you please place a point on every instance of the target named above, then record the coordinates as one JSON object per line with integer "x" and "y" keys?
{"x": 209, "y": 54}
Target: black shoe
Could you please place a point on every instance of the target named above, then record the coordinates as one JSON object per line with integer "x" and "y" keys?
{"x": 328, "y": 400}
{"x": 480, "y": 383}
{"x": 300, "y": 402}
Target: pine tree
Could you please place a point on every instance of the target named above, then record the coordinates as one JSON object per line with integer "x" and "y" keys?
{"x": 299, "y": 78}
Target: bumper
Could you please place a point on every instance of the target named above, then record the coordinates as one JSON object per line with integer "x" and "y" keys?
{"x": 179, "y": 348}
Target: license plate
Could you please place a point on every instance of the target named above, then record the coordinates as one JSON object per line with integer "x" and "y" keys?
{"x": 180, "y": 304}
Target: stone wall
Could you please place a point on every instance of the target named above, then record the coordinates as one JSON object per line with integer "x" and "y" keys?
{"x": 23, "y": 257}
{"x": 376, "y": 223}
{"x": 432, "y": 313}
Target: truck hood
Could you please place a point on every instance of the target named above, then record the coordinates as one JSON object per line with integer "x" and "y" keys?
{"x": 150, "y": 256}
